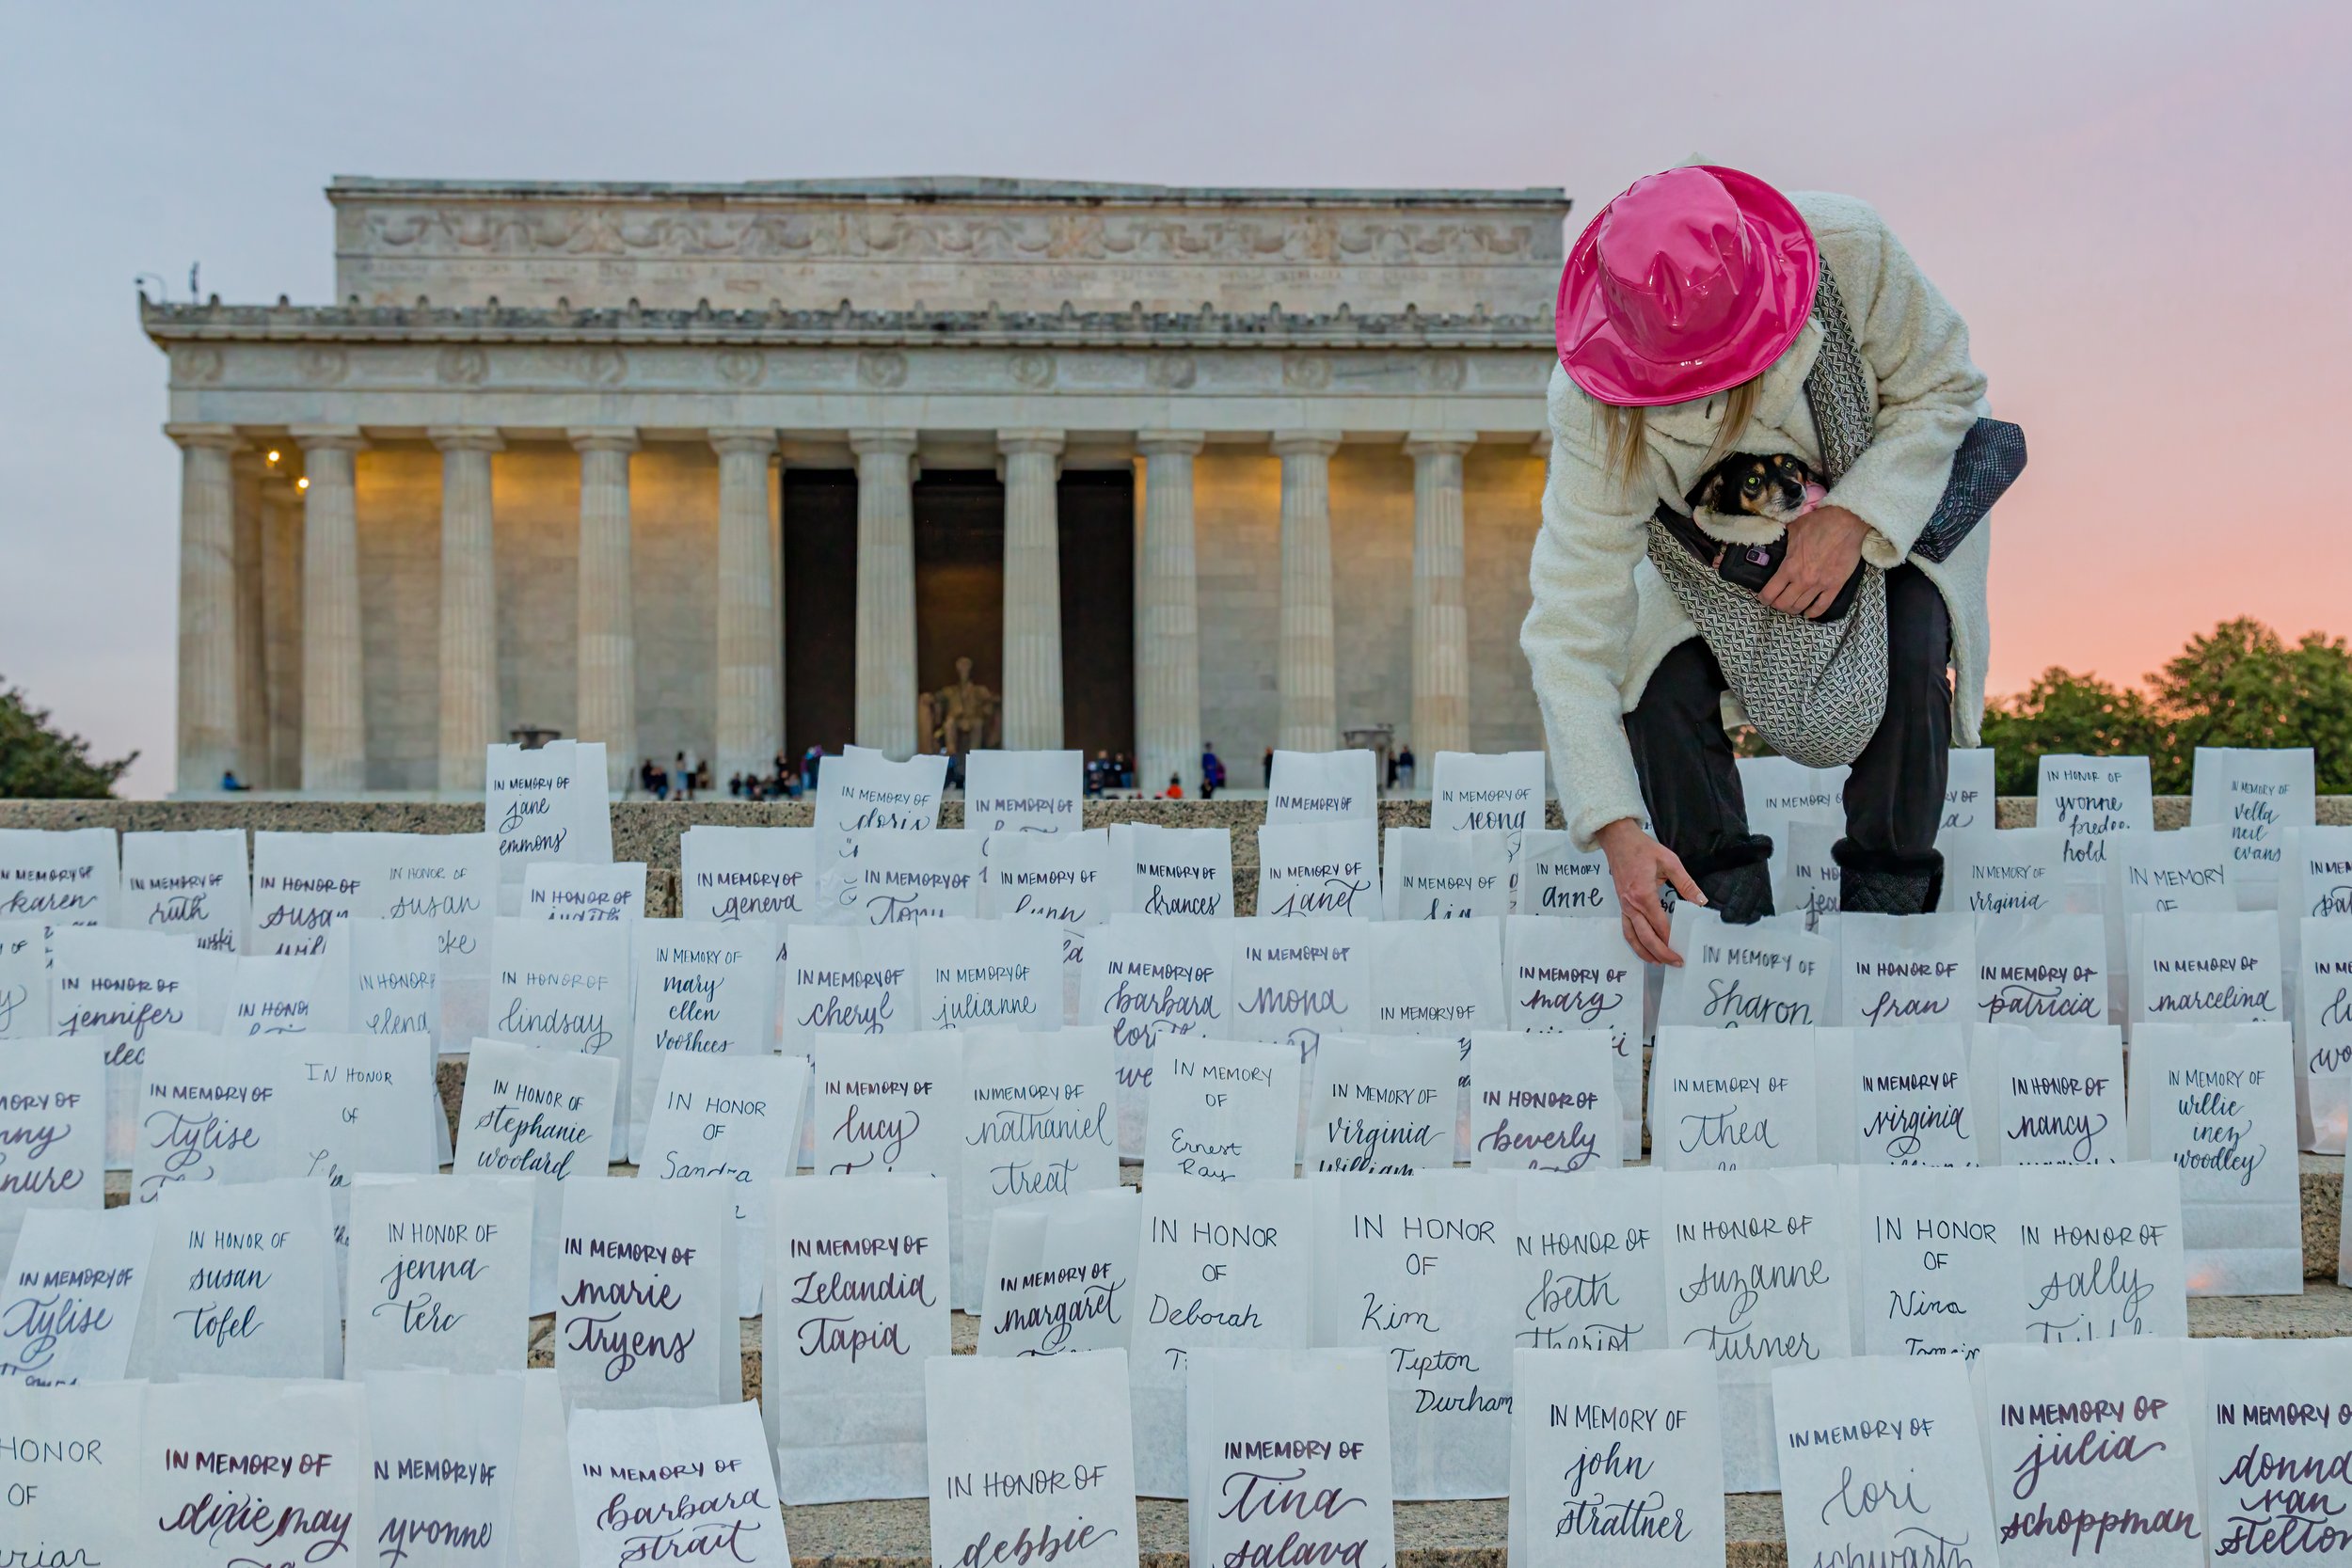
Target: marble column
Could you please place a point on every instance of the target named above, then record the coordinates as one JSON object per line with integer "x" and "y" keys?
{"x": 282, "y": 626}
{"x": 1032, "y": 714}
{"x": 470, "y": 624}
{"x": 208, "y": 605}
{"x": 1306, "y": 666}
{"x": 1441, "y": 600}
{"x": 750, "y": 652}
{"x": 334, "y": 715}
{"x": 607, "y": 704}
{"x": 886, "y": 589}
{"x": 1168, "y": 615}
{"x": 252, "y": 653}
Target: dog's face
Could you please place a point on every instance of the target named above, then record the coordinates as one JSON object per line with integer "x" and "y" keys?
{"x": 1778, "y": 489}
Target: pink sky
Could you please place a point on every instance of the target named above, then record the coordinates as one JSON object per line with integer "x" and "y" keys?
{"x": 2144, "y": 210}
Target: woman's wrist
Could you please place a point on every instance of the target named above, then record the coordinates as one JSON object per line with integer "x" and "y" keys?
{"x": 1613, "y": 836}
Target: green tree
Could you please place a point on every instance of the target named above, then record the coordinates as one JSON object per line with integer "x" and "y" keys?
{"x": 38, "y": 761}
{"x": 2242, "y": 685}
{"x": 2065, "y": 712}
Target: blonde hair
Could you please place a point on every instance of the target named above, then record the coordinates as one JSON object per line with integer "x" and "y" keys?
{"x": 1627, "y": 428}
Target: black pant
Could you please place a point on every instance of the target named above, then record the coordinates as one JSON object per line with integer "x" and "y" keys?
{"x": 1895, "y": 798}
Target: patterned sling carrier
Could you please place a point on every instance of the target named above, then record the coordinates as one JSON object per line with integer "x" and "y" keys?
{"x": 1814, "y": 689}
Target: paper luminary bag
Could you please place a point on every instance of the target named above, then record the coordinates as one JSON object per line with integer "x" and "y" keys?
{"x": 735, "y": 1120}
{"x": 71, "y": 876}
{"x": 1148, "y": 977}
{"x": 857, "y": 1303}
{"x": 441, "y": 1274}
{"x": 210, "y": 1110}
{"x": 1061, "y": 1275}
{"x": 115, "y": 989}
{"x": 1039, "y": 1120}
{"x": 2323, "y": 1033}
{"x": 53, "y": 1130}
{"x": 2092, "y": 1454}
{"x": 447, "y": 1454}
{"x": 2200, "y": 967}
{"x": 1544, "y": 1102}
{"x": 1616, "y": 1459}
{"x": 1471, "y": 791}
{"x": 978, "y": 974}
{"x": 1062, "y": 877}
{"x": 2103, "y": 1256}
{"x": 2052, "y": 1098}
{"x": 846, "y": 979}
{"x": 1324, "y": 786}
{"x": 541, "y": 1113}
{"x": 703, "y": 988}
{"x": 2218, "y": 1102}
{"x": 544, "y": 1533}
{"x": 240, "y": 1471}
{"x": 2152, "y": 873}
{"x": 1381, "y": 1105}
{"x": 645, "y": 1295}
{"x": 1564, "y": 976}
{"x": 1970, "y": 792}
{"x": 2256, "y": 796}
{"x": 1758, "y": 1273}
{"x": 895, "y": 877}
{"x": 547, "y": 804}
{"x": 1171, "y": 871}
{"x": 1420, "y": 1268}
{"x": 1328, "y": 1495}
{"x": 1229, "y": 1265}
{"x": 862, "y": 789}
{"x": 1295, "y": 980}
{"x": 1589, "y": 1272}
{"x": 1914, "y": 1098}
{"x": 72, "y": 1472}
{"x": 1023, "y": 792}
{"x": 2040, "y": 970}
{"x": 1937, "y": 1262}
{"x": 276, "y": 995}
{"x": 449, "y": 883}
{"x": 244, "y": 1284}
{"x": 2090, "y": 799}
{"x": 69, "y": 1300}
{"x": 1807, "y": 878}
{"x": 763, "y": 875}
{"x": 1735, "y": 976}
{"x": 302, "y": 885}
{"x": 1775, "y": 788}
{"x": 694, "y": 1483}
{"x": 1558, "y": 878}
{"x": 2011, "y": 871}
{"x": 1429, "y": 874}
{"x": 1879, "y": 1463}
{"x": 888, "y": 1104}
{"x": 2276, "y": 1489}
{"x": 389, "y": 978}
{"x": 1031, "y": 1456}
{"x": 1906, "y": 969}
{"x": 1723, "y": 1103}
{"x": 358, "y": 1103}
{"x": 1439, "y": 978}
{"x": 606, "y": 894}
{"x": 1319, "y": 868}
{"x": 187, "y": 884}
{"x": 24, "y": 979}
{"x": 1223, "y": 1110}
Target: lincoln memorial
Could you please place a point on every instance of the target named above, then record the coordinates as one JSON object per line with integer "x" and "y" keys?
{"x": 736, "y": 470}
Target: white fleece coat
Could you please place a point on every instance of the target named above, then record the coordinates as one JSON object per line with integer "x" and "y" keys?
{"x": 1602, "y": 618}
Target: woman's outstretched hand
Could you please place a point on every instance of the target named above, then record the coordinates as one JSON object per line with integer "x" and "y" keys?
{"x": 1637, "y": 865}
{"x": 1824, "y": 547}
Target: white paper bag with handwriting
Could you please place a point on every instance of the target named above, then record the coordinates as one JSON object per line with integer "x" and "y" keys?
{"x": 447, "y": 1451}
{"x": 1040, "y": 1119}
{"x": 734, "y": 1119}
{"x": 390, "y": 972}
{"x": 117, "y": 987}
{"x": 1914, "y": 1097}
{"x": 1544, "y": 1102}
{"x": 2090, "y": 799}
{"x": 762, "y": 874}
{"x": 244, "y": 1284}
{"x": 1758, "y": 1274}
{"x": 70, "y": 1301}
{"x": 2206, "y": 968}
{"x": 1319, "y": 868}
{"x": 857, "y": 1302}
{"x": 1558, "y": 878}
{"x": 2054, "y": 1099}
{"x": 1301, "y": 1436}
{"x": 2322, "y": 1057}
{"x": 2103, "y": 1252}
{"x": 448, "y": 882}
{"x": 1906, "y": 969}
{"x": 303, "y": 883}
{"x": 277, "y": 995}
{"x": 1806, "y": 878}
{"x": 1420, "y": 1267}
{"x": 441, "y": 1274}
{"x": 1721, "y": 1102}
{"x": 70, "y": 1473}
{"x": 1938, "y": 1266}
{"x": 1563, "y": 976}
{"x": 541, "y": 1113}
{"x": 1323, "y": 786}
{"x": 1224, "y": 1264}
{"x": 1223, "y": 1110}
{"x": 1381, "y": 1105}
{"x": 688, "y": 1483}
{"x": 2256, "y": 796}
{"x": 1033, "y": 1456}
{"x": 1173, "y": 871}
{"x": 2011, "y": 871}
{"x": 24, "y": 979}
{"x": 1589, "y": 1272}
{"x": 1061, "y": 1275}
{"x": 703, "y": 988}
{"x": 1735, "y": 976}
{"x": 1969, "y": 792}
{"x": 71, "y": 876}
{"x": 357, "y": 1102}
{"x": 862, "y": 789}
{"x": 238, "y": 1471}
{"x": 1884, "y": 1471}
{"x": 1061, "y": 878}
{"x": 1023, "y": 792}
{"x": 2276, "y": 1483}
{"x": 605, "y": 894}
{"x": 53, "y": 1130}
{"x": 1473, "y": 791}
{"x": 848, "y": 979}
{"x": 188, "y": 884}
{"x": 2040, "y": 970}
{"x": 1616, "y": 1460}
{"x": 899, "y": 877}
{"x": 2218, "y": 1102}
{"x": 2314, "y": 882}
{"x": 644, "y": 1295}
{"x": 978, "y": 974}
{"x": 547, "y": 804}
{"x": 2092, "y": 1454}
{"x": 1428, "y": 874}
{"x": 1775, "y": 788}
{"x": 1296, "y": 980}
{"x": 1147, "y": 979}
{"x": 888, "y": 1104}
{"x": 1439, "y": 978}
{"x": 210, "y": 1110}
{"x": 2152, "y": 873}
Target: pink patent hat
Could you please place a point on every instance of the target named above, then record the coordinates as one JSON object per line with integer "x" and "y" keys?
{"x": 1692, "y": 281}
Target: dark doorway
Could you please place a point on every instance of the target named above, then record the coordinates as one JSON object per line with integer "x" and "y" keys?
{"x": 959, "y": 578}
{"x": 1097, "y": 511}
{"x": 819, "y": 609}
